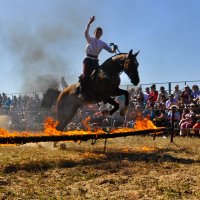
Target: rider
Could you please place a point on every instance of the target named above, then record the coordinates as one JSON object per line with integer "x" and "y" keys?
{"x": 93, "y": 48}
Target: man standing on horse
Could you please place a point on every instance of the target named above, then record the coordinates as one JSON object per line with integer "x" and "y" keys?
{"x": 93, "y": 49}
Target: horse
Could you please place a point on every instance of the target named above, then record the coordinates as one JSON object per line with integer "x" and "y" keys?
{"x": 104, "y": 87}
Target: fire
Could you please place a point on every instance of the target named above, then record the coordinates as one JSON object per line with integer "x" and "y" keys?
{"x": 148, "y": 149}
{"x": 85, "y": 122}
{"x": 140, "y": 124}
{"x": 50, "y": 129}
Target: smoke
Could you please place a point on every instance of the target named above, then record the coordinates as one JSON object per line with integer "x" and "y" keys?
{"x": 4, "y": 121}
{"x": 45, "y": 41}
{"x": 39, "y": 56}
{"x": 43, "y": 53}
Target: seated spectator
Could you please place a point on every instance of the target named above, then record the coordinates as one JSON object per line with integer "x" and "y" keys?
{"x": 7, "y": 104}
{"x": 187, "y": 121}
{"x": 1, "y": 99}
{"x": 197, "y": 127}
{"x": 139, "y": 101}
{"x": 177, "y": 93}
{"x": 153, "y": 95}
{"x": 131, "y": 92}
{"x": 160, "y": 116}
{"x": 162, "y": 93}
{"x": 4, "y": 98}
{"x": 138, "y": 93}
{"x": 185, "y": 94}
{"x": 162, "y": 99}
{"x": 148, "y": 112}
{"x": 14, "y": 102}
{"x": 195, "y": 91}
{"x": 132, "y": 116}
{"x": 181, "y": 102}
{"x": 192, "y": 100}
{"x": 146, "y": 95}
{"x": 171, "y": 101}
{"x": 174, "y": 116}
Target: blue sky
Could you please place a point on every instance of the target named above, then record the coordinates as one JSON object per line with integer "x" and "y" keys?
{"x": 43, "y": 40}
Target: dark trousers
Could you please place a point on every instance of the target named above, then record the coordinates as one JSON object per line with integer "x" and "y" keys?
{"x": 88, "y": 67}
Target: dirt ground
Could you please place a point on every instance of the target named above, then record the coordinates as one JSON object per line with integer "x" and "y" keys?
{"x": 131, "y": 168}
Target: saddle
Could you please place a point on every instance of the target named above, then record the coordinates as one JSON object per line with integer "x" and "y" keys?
{"x": 87, "y": 83}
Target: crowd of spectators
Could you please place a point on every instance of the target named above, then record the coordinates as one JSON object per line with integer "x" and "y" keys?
{"x": 158, "y": 106}
{"x": 26, "y": 113}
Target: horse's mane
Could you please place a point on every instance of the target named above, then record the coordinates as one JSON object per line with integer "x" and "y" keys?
{"x": 114, "y": 58}
{"x": 118, "y": 56}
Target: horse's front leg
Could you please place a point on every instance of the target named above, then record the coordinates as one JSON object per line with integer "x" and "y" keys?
{"x": 112, "y": 102}
{"x": 120, "y": 92}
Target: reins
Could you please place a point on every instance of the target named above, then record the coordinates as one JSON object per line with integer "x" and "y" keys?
{"x": 116, "y": 47}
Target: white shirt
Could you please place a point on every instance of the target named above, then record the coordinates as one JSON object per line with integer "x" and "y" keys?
{"x": 94, "y": 45}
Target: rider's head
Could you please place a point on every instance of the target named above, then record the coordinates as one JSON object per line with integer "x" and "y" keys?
{"x": 98, "y": 32}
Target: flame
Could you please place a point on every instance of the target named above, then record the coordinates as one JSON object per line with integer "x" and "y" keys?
{"x": 85, "y": 122}
{"x": 144, "y": 123}
{"x": 148, "y": 149}
{"x": 140, "y": 124}
{"x": 50, "y": 129}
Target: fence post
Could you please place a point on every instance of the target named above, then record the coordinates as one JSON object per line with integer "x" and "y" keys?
{"x": 170, "y": 87}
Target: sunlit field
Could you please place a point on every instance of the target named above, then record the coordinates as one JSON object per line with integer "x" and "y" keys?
{"x": 130, "y": 168}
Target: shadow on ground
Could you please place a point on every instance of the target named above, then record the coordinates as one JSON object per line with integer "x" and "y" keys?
{"x": 158, "y": 156}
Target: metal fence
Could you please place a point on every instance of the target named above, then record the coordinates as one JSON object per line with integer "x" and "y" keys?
{"x": 169, "y": 86}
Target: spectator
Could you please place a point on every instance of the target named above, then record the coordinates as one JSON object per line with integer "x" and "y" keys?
{"x": 160, "y": 115}
{"x": 196, "y": 127}
{"x": 162, "y": 92}
{"x": 4, "y": 98}
{"x": 7, "y": 104}
{"x": 177, "y": 93}
{"x": 148, "y": 112}
{"x": 1, "y": 99}
{"x": 153, "y": 95}
{"x": 192, "y": 100}
{"x": 187, "y": 121}
{"x": 177, "y": 115}
{"x": 64, "y": 83}
{"x": 185, "y": 94}
{"x": 138, "y": 93}
{"x": 146, "y": 95}
{"x": 162, "y": 99}
{"x": 171, "y": 101}
{"x": 133, "y": 115}
{"x": 195, "y": 91}
{"x": 139, "y": 101}
{"x": 14, "y": 102}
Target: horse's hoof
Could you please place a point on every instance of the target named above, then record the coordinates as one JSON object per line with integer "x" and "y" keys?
{"x": 105, "y": 112}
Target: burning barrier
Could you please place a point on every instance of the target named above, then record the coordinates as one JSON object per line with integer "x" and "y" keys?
{"x": 142, "y": 127}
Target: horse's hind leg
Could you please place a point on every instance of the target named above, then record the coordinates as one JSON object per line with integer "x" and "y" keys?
{"x": 114, "y": 103}
{"x": 62, "y": 124}
{"x": 120, "y": 92}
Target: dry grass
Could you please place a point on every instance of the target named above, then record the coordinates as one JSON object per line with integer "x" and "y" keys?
{"x": 131, "y": 168}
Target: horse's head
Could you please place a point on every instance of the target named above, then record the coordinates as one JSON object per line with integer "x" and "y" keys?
{"x": 131, "y": 67}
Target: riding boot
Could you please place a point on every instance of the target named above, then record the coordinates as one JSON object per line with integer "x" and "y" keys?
{"x": 83, "y": 88}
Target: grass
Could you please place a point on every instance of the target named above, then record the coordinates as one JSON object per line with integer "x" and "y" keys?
{"x": 131, "y": 168}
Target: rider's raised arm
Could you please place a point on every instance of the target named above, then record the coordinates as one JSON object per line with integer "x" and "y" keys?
{"x": 87, "y": 36}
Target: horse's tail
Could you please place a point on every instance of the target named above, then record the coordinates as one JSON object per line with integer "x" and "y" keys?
{"x": 50, "y": 98}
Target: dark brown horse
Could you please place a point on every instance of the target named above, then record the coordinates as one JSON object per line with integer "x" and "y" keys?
{"x": 104, "y": 86}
